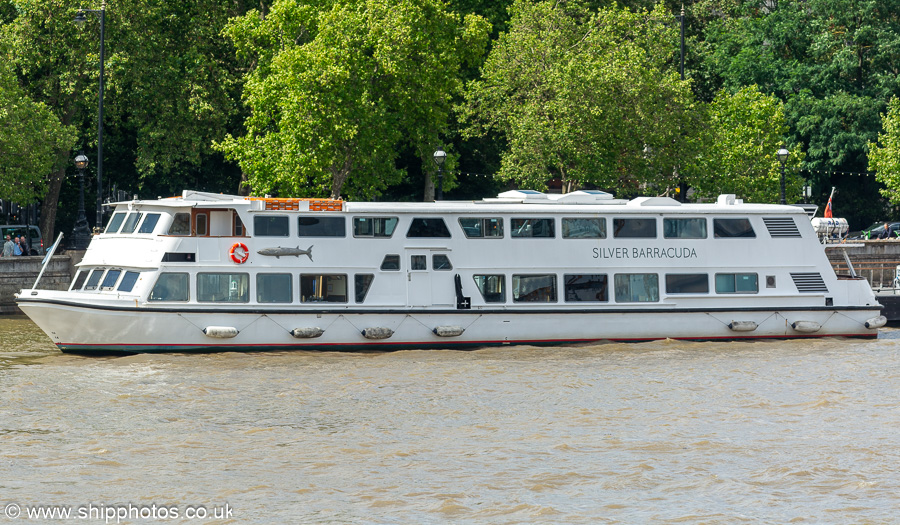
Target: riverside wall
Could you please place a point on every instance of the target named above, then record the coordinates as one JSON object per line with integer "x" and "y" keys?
{"x": 877, "y": 261}
{"x": 17, "y": 273}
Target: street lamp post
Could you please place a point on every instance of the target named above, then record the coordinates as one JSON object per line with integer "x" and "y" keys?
{"x": 439, "y": 157}
{"x": 782, "y": 158}
{"x": 81, "y": 234}
{"x": 80, "y": 20}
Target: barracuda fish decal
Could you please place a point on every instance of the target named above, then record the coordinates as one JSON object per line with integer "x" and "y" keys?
{"x": 280, "y": 252}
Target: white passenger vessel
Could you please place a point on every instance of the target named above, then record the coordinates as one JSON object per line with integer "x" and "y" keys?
{"x": 209, "y": 272}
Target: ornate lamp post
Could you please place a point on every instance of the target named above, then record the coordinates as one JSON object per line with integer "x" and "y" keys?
{"x": 80, "y": 20}
{"x": 81, "y": 234}
{"x": 782, "y": 158}
{"x": 439, "y": 158}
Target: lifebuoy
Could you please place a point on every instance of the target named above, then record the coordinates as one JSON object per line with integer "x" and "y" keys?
{"x": 239, "y": 253}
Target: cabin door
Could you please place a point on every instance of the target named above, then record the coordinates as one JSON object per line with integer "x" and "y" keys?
{"x": 418, "y": 276}
{"x": 429, "y": 277}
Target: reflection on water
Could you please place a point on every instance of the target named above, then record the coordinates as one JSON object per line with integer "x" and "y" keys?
{"x": 761, "y": 432}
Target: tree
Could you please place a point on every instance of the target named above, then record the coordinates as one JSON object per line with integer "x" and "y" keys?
{"x": 589, "y": 97}
{"x": 884, "y": 156}
{"x": 339, "y": 86}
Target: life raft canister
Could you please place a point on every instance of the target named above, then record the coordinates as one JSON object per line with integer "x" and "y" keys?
{"x": 239, "y": 253}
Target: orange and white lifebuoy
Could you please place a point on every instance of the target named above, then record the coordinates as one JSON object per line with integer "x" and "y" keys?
{"x": 239, "y": 253}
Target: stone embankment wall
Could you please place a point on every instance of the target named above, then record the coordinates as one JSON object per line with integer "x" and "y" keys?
{"x": 17, "y": 273}
{"x": 877, "y": 261}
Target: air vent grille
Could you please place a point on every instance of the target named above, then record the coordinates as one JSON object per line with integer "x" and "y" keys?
{"x": 781, "y": 227}
{"x": 809, "y": 282}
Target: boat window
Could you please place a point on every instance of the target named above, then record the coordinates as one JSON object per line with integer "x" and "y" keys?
{"x": 363, "y": 282}
{"x": 202, "y": 224}
{"x": 737, "y": 283}
{"x": 491, "y": 287}
{"x": 321, "y": 227}
{"x": 238, "y": 226}
{"x": 637, "y": 288}
{"x": 390, "y": 262}
{"x": 531, "y": 228}
{"x": 273, "y": 288}
{"x": 270, "y": 226}
{"x": 642, "y": 228}
{"x": 323, "y": 288}
{"x": 223, "y": 287}
{"x": 586, "y": 288}
{"x": 584, "y": 228}
{"x": 80, "y": 277}
{"x": 418, "y": 262}
{"x": 149, "y": 223}
{"x": 131, "y": 222}
{"x": 687, "y": 283}
{"x": 109, "y": 282}
{"x": 171, "y": 287}
{"x": 128, "y": 281}
{"x": 477, "y": 227}
{"x": 374, "y": 226}
{"x": 181, "y": 224}
{"x": 94, "y": 279}
{"x": 115, "y": 223}
{"x": 684, "y": 228}
{"x": 534, "y": 288}
{"x": 433, "y": 227}
{"x": 732, "y": 228}
{"x": 440, "y": 262}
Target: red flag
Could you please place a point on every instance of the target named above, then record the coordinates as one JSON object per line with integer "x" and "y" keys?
{"x": 828, "y": 209}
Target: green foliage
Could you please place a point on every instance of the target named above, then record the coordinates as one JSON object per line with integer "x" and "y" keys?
{"x": 884, "y": 156}
{"x": 585, "y": 96}
{"x": 339, "y": 87}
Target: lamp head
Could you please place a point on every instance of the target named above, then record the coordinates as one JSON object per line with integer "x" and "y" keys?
{"x": 80, "y": 19}
{"x": 440, "y": 156}
{"x": 782, "y": 155}
{"x": 81, "y": 161}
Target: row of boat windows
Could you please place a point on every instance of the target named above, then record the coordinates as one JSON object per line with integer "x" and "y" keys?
{"x": 435, "y": 227}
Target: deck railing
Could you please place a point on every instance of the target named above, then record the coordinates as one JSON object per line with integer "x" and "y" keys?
{"x": 879, "y": 274}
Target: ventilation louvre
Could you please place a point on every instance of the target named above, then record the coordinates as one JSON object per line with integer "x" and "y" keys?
{"x": 809, "y": 282}
{"x": 781, "y": 227}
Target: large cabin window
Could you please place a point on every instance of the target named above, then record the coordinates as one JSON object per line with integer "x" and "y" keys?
{"x": 432, "y": 227}
{"x": 115, "y": 223}
{"x": 131, "y": 222}
{"x": 639, "y": 228}
{"x": 362, "y": 282}
{"x": 491, "y": 287}
{"x": 223, "y": 287}
{"x": 321, "y": 227}
{"x": 171, "y": 287}
{"x": 684, "y": 228}
{"x": 532, "y": 228}
{"x": 687, "y": 283}
{"x": 149, "y": 223}
{"x": 273, "y": 288}
{"x": 724, "y": 228}
{"x": 737, "y": 283}
{"x": 181, "y": 224}
{"x": 270, "y": 226}
{"x": 590, "y": 288}
{"x": 584, "y": 228}
{"x": 128, "y": 281}
{"x": 637, "y": 288}
{"x": 534, "y": 288}
{"x": 374, "y": 226}
{"x": 323, "y": 288}
{"x": 478, "y": 228}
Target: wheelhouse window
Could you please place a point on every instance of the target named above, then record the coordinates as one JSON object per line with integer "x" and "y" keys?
{"x": 482, "y": 227}
{"x": 171, "y": 287}
{"x": 201, "y": 223}
{"x": 128, "y": 281}
{"x": 534, "y": 288}
{"x": 270, "y": 226}
{"x": 638, "y": 228}
{"x": 273, "y": 288}
{"x": 431, "y": 227}
{"x": 584, "y": 228}
{"x": 80, "y": 277}
{"x": 687, "y": 283}
{"x": 374, "y": 226}
{"x": 532, "y": 228}
{"x": 316, "y": 288}
{"x": 491, "y": 287}
{"x": 223, "y": 287}
{"x": 181, "y": 224}
{"x": 149, "y": 223}
{"x": 390, "y": 262}
{"x": 94, "y": 279}
{"x": 109, "y": 281}
{"x": 637, "y": 287}
{"x": 131, "y": 222}
{"x": 321, "y": 227}
{"x": 115, "y": 223}
{"x": 591, "y": 288}
{"x": 362, "y": 283}
{"x": 693, "y": 228}
{"x": 440, "y": 261}
{"x": 737, "y": 283}
{"x": 724, "y": 228}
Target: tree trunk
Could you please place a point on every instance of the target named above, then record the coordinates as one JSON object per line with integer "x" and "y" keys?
{"x": 49, "y": 206}
{"x": 429, "y": 187}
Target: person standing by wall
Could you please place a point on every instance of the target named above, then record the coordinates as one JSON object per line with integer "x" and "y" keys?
{"x": 7, "y": 247}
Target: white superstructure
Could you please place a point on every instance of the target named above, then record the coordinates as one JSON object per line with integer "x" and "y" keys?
{"x": 207, "y": 272}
